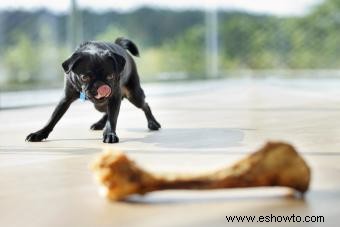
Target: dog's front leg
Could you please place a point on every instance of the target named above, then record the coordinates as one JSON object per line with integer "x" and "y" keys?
{"x": 58, "y": 112}
{"x": 109, "y": 134}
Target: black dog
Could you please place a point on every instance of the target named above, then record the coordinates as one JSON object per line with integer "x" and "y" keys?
{"x": 103, "y": 73}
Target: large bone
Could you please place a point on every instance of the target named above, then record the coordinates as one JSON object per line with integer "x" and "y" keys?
{"x": 276, "y": 164}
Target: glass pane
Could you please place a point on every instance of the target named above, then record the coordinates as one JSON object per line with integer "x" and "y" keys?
{"x": 177, "y": 40}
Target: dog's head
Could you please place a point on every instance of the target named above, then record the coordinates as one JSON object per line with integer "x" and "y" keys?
{"x": 96, "y": 72}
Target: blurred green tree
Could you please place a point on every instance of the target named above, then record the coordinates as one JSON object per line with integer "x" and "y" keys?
{"x": 21, "y": 61}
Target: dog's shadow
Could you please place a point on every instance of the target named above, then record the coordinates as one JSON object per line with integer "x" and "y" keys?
{"x": 186, "y": 138}
{"x": 191, "y": 137}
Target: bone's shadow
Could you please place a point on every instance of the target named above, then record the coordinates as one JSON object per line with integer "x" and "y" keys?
{"x": 193, "y": 137}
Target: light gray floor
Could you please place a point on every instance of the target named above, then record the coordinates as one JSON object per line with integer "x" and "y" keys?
{"x": 206, "y": 125}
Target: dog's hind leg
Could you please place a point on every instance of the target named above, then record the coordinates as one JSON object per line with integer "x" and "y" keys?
{"x": 136, "y": 97}
{"x": 99, "y": 125}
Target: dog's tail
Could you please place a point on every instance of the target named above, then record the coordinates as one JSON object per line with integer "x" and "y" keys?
{"x": 128, "y": 44}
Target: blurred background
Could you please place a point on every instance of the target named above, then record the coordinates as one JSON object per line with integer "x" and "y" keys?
{"x": 178, "y": 40}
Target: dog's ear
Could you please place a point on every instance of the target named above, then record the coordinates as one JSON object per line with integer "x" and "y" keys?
{"x": 119, "y": 62}
{"x": 69, "y": 63}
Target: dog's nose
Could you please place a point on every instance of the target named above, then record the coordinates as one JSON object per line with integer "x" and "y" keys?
{"x": 103, "y": 91}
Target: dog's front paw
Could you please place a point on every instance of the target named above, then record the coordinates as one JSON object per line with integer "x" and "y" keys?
{"x": 153, "y": 125}
{"x": 110, "y": 137}
{"x": 36, "y": 136}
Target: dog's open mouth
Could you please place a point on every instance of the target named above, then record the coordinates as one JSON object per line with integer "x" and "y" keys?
{"x": 103, "y": 92}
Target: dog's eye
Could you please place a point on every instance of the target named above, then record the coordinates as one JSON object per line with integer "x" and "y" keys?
{"x": 110, "y": 76}
{"x": 84, "y": 78}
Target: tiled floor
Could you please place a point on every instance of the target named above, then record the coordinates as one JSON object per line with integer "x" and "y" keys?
{"x": 49, "y": 184}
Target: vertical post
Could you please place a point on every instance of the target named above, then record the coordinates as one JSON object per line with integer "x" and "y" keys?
{"x": 211, "y": 40}
{"x": 3, "y": 77}
{"x": 75, "y": 28}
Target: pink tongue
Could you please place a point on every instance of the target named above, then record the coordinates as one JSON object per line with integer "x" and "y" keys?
{"x": 103, "y": 91}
